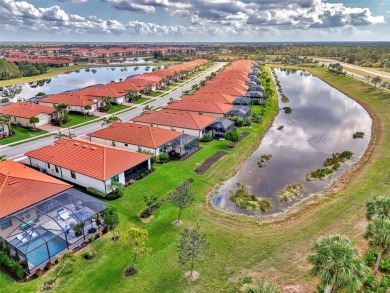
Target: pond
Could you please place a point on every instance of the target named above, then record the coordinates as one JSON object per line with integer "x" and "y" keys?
{"x": 322, "y": 122}
{"x": 72, "y": 81}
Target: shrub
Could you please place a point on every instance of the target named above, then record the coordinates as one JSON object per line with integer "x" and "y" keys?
{"x": 163, "y": 158}
{"x": 40, "y": 94}
{"x": 89, "y": 254}
{"x": 370, "y": 257}
{"x": 206, "y": 138}
{"x": 11, "y": 265}
{"x": 95, "y": 192}
{"x": 385, "y": 264}
{"x": 238, "y": 122}
{"x": 232, "y": 135}
{"x": 5, "y": 100}
{"x": 247, "y": 122}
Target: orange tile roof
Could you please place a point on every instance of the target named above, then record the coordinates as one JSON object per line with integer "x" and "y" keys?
{"x": 21, "y": 187}
{"x": 228, "y": 82}
{"x": 102, "y": 91}
{"x": 175, "y": 119}
{"x": 206, "y": 106}
{"x": 26, "y": 110}
{"x": 72, "y": 99}
{"x": 217, "y": 97}
{"x": 224, "y": 90}
{"x": 89, "y": 158}
{"x": 136, "y": 134}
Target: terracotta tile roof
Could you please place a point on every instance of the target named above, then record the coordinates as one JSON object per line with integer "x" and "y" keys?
{"x": 136, "y": 134}
{"x": 72, "y": 99}
{"x": 89, "y": 158}
{"x": 21, "y": 186}
{"x": 232, "y": 91}
{"x": 102, "y": 91}
{"x": 206, "y": 106}
{"x": 122, "y": 86}
{"x": 26, "y": 110}
{"x": 175, "y": 119}
{"x": 217, "y": 97}
{"x": 228, "y": 82}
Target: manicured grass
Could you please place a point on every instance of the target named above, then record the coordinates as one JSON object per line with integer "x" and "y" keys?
{"x": 117, "y": 108}
{"x": 156, "y": 94}
{"x": 77, "y": 119}
{"x": 239, "y": 246}
{"x": 21, "y": 133}
{"x": 141, "y": 100}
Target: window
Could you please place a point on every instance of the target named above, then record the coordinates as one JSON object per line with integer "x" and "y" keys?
{"x": 73, "y": 174}
{"x": 48, "y": 165}
{"x": 126, "y": 144}
{"x": 4, "y": 224}
{"x": 57, "y": 169}
{"x": 139, "y": 149}
{"x": 113, "y": 143}
{"x": 115, "y": 178}
{"x": 200, "y": 113}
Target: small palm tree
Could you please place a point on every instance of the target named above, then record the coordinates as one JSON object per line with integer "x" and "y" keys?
{"x": 146, "y": 108}
{"x": 6, "y": 119}
{"x": 109, "y": 120}
{"x": 3, "y": 158}
{"x": 336, "y": 262}
{"x": 378, "y": 235}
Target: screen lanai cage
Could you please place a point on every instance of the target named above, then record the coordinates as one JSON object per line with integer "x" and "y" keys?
{"x": 42, "y": 232}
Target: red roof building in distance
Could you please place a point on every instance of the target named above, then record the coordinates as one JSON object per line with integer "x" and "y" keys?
{"x": 224, "y": 89}
{"x": 21, "y": 187}
{"x": 26, "y": 110}
{"x": 216, "y": 97}
{"x": 75, "y": 101}
{"x": 136, "y": 134}
{"x": 202, "y": 107}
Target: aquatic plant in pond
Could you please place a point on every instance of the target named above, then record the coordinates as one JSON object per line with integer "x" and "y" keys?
{"x": 280, "y": 127}
{"x": 358, "y": 135}
{"x": 245, "y": 200}
{"x": 263, "y": 160}
{"x": 330, "y": 165}
{"x": 287, "y": 110}
{"x": 290, "y": 191}
{"x": 284, "y": 99}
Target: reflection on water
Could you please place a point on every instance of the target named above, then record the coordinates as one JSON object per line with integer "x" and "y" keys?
{"x": 322, "y": 122}
{"x": 73, "y": 80}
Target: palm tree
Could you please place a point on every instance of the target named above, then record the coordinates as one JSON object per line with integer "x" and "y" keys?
{"x": 3, "y": 158}
{"x": 378, "y": 235}
{"x": 132, "y": 95}
{"x": 108, "y": 120}
{"x": 60, "y": 135}
{"x": 59, "y": 113}
{"x": 6, "y": 119}
{"x": 336, "y": 262}
{"x": 146, "y": 108}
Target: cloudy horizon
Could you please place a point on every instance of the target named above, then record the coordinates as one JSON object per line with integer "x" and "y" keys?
{"x": 194, "y": 20}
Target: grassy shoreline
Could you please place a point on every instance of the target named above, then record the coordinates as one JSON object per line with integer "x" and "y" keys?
{"x": 240, "y": 246}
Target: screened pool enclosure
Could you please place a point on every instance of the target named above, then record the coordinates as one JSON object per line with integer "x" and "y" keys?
{"x": 42, "y": 232}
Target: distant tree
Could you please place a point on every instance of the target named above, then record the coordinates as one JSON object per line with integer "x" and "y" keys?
{"x": 6, "y": 120}
{"x": 232, "y": 135}
{"x": 376, "y": 80}
{"x": 262, "y": 287}
{"x": 132, "y": 96}
{"x": 336, "y": 262}
{"x": 146, "y": 108}
{"x": 378, "y": 207}
{"x": 182, "y": 197}
{"x": 378, "y": 235}
{"x": 111, "y": 219}
{"x": 106, "y": 104}
{"x": 136, "y": 239}
{"x": 192, "y": 247}
{"x": 34, "y": 120}
{"x": 60, "y": 134}
{"x": 109, "y": 120}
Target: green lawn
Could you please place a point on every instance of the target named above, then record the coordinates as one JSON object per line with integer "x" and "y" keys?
{"x": 117, "y": 108}
{"x": 21, "y": 133}
{"x": 239, "y": 246}
{"x": 141, "y": 100}
{"x": 156, "y": 94}
{"x": 77, "y": 119}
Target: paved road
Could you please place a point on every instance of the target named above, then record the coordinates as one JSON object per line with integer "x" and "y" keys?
{"x": 364, "y": 69}
{"x": 17, "y": 152}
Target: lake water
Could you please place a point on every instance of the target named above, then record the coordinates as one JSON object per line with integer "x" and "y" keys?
{"x": 75, "y": 80}
{"x": 322, "y": 122}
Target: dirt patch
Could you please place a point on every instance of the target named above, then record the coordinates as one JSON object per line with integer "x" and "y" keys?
{"x": 294, "y": 289}
{"x": 209, "y": 162}
{"x": 192, "y": 277}
{"x": 242, "y": 136}
{"x": 130, "y": 272}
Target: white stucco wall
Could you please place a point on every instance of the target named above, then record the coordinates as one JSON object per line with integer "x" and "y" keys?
{"x": 129, "y": 147}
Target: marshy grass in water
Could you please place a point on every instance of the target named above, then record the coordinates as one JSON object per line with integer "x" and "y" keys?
{"x": 284, "y": 99}
{"x": 290, "y": 191}
{"x": 245, "y": 200}
{"x": 331, "y": 165}
{"x": 263, "y": 160}
{"x": 287, "y": 110}
{"x": 358, "y": 135}
{"x": 280, "y": 127}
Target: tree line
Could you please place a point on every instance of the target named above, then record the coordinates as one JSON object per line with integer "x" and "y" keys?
{"x": 10, "y": 70}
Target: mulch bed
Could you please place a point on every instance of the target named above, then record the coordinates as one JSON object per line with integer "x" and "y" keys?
{"x": 130, "y": 271}
{"x": 209, "y": 162}
{"x": 242, "y": 136}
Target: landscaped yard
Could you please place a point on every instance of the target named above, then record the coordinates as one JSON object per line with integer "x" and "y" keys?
{"x": 77, "y": 119}
{"x": 21, "y": 133}
{"x": 117, "y": 108}
{"x": 156, "y": 94}
{"x": 239, "y": 246}
{"x": 141, "y": 100}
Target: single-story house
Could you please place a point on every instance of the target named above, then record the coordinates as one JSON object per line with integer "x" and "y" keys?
{"x": 137, "y": 137}
{"x": 39, "y": 213}
{"x": 216, "y": 97}
{"x": 232, "y": 91}
{"x": 75, "y": 101}
{"x": 202, "y": 107}
{"x": 89, "y": 164}
{"x": 219, "y": 127}
{"x": 21, "y": 113}
{"x": 185, "y": 122}
{"x": 116, "y": 95}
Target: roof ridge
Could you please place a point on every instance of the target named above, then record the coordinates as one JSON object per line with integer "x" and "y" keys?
{"x": 151, "y": 136}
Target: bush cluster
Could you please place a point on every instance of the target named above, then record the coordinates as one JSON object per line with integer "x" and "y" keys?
{"x": 206, "y": 137}
{"x": 11, "y": 265}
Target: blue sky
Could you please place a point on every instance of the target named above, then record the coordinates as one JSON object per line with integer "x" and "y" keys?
{"x": 194, "y": 20}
